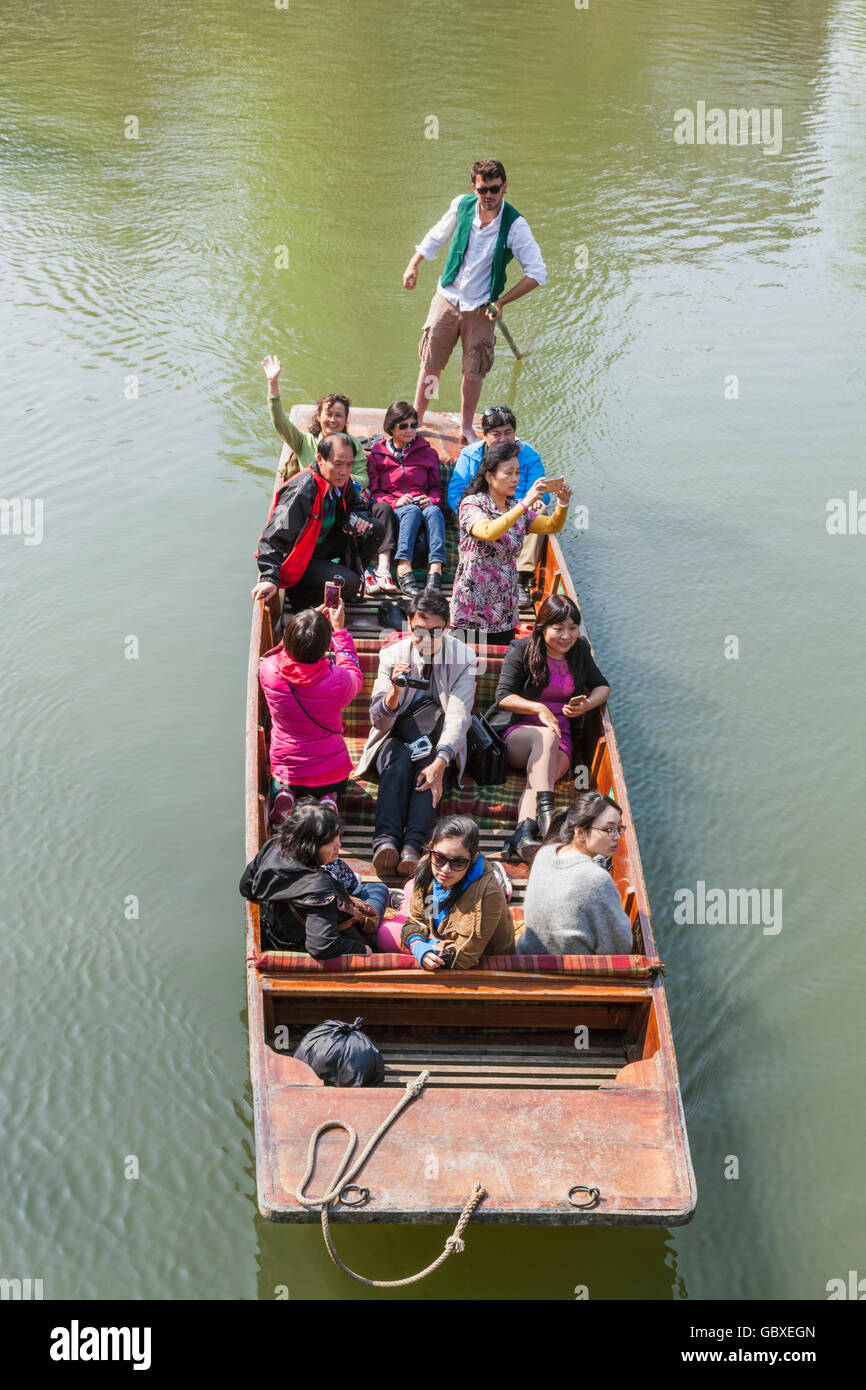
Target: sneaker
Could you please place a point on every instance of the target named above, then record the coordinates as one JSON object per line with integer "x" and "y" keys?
{"x": 385, "y": 859}
{"x": 385, "y": 582}
{"x": 503, "y": 879}
{"x": 408, "y": 862}
{"x": 372, "y": 587}
{"x": 282, "y": 808}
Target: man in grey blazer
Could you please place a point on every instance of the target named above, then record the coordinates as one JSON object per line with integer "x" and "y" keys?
{"x": 411, "y": 788}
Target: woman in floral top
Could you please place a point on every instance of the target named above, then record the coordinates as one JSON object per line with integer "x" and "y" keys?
{"x": 492, "y": 529}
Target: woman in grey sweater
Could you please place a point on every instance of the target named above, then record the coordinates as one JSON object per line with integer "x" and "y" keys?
{"x": 572, "y": 905}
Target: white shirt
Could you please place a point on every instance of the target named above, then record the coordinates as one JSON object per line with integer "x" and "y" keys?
{"x": 471, "y": 286}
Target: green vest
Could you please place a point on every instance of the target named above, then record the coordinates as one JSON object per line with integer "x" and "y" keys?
{"x": 460, "y": 241}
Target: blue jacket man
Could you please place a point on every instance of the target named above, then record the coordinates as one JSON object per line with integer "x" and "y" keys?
{"x": 467, "y": 463}
{"x": 498, "y": 426}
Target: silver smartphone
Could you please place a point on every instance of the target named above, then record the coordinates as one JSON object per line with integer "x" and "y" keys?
{"x": 420, "y": 748}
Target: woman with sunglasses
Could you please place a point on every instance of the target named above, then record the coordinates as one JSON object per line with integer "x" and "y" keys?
{"x": 406, "y": 487}
{"x": 572, "y": 905}
{"x": 458, "y": 910}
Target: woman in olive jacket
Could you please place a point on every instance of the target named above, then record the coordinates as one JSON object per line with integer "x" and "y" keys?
{"x": 459, "y": 910}
{"x": 549, "y": 680}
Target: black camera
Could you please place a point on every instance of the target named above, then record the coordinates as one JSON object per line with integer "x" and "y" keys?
{"x": 414, "y": 682}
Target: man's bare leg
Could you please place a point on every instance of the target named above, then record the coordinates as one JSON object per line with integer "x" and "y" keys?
{"x": 428, "y": 383}
{"x": 470, "y": 394}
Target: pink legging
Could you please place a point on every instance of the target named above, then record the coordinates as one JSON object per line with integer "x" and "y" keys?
{"x": 389, "y": 933}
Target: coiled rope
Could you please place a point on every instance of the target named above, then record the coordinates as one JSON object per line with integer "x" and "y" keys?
{"x": 343, "y": 1182}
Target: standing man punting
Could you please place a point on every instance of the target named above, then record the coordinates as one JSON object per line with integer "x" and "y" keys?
{"x": 485, "y": 232}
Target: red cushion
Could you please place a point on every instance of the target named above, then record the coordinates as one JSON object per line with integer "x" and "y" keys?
{"x": 631, "y": 967}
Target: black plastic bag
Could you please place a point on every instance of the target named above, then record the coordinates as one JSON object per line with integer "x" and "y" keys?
{"x": 341, "y": 1054}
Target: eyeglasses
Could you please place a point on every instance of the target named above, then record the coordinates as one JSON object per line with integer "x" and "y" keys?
{"x": 609, "y": 829}
{"x": 489, "y": 188}
{"x": 406, "y": 425}
{"x": 427, "y": 631}
{"x": 441, "y": 861}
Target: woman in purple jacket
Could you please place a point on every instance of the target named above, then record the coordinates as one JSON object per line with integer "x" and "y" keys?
{"x": 406, "y": 487}
{"x": 307, "y": 681}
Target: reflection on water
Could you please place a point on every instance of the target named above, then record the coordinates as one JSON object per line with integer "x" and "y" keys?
{"x": 693, "y": 366}
{"x": 498, "y": 1262}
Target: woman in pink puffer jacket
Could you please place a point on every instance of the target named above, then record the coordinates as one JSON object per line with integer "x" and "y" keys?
{"x": 308, "y": 681}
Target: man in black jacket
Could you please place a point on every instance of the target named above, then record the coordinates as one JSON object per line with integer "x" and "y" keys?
{"x": 317, "y": 531}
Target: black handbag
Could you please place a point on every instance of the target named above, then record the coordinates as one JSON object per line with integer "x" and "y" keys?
{"x": 393, "y": 614}
{"x": 486, "y": 760}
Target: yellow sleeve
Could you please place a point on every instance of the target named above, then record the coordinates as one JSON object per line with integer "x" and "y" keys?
{"x": 549, "y": 525}
{"x": 496, "y": 527}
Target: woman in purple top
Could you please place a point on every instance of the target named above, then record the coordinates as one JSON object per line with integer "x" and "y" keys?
{"x": 544, "y": 683}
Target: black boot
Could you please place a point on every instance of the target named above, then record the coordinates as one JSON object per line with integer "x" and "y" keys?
{"x": 543, "y": 812}
{"x": 526, "y": 842}
{"x": 408, "y": 584}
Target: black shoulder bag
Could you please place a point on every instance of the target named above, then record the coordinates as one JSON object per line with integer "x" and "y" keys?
{"x": 486, "y": 760}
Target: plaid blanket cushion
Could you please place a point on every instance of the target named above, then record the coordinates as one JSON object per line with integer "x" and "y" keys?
{"x": 627, "y": 967}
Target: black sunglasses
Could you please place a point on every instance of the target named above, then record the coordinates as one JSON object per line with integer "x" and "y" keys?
{"x": 493, "y": 410}
{"x": 490, "y": 188}
{"x": 441, "y": 861}
{"x": 406, "y": 425}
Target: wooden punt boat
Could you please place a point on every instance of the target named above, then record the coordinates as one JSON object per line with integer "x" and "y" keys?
{"x": 540, "y": 1082}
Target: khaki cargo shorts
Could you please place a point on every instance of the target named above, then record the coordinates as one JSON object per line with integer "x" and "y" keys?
{"x": 445, "y": 324}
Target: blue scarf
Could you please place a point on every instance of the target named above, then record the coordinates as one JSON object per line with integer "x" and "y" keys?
{"x": 440, "y": 894}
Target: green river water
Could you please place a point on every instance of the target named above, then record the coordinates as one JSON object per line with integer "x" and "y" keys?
{"x": 695, "y": 368}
